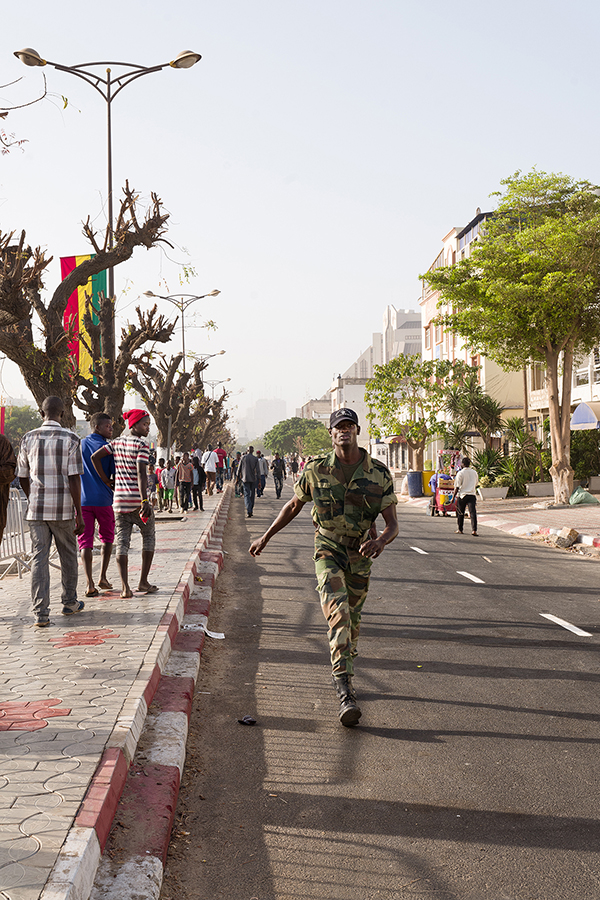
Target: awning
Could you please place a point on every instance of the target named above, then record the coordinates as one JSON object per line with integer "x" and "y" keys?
{"x": 586, "y": 416}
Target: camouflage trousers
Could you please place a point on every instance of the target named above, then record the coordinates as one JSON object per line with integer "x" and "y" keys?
{"x": 342, "y": 583}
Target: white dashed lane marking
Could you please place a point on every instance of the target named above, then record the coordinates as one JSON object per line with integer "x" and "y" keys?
{"x": 418, "y": 550}
{"x": 566, "y": 625}
{"x": 471, "y": 577}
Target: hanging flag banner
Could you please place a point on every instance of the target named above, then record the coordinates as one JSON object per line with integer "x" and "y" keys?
{"x": 74, "y": 313}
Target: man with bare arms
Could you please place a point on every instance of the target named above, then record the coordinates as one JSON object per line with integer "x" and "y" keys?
{"x": 131, "y": 504}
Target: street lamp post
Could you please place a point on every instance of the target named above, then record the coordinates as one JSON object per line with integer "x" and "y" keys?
{"x": 108, "y": 88}
{"x": 182, "y": 301}
{"x": 213, "y": 384}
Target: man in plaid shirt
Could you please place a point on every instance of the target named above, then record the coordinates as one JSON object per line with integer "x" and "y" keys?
{"x": 49, "y": 469}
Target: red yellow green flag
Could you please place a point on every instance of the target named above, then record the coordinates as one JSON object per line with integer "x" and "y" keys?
{"x": 73, "y": 317}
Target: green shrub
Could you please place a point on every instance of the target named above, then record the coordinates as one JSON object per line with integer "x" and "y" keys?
{"x": 488, "y": 463}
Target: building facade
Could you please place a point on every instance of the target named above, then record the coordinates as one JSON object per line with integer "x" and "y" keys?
{"x": 440, "y": 343}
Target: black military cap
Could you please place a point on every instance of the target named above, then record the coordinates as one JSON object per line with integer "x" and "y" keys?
{"x": 340, "y": 414}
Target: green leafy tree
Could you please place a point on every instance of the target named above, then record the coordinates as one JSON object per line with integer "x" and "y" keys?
{"x": 307, "y": 436}
{"x": 530, "y": 290}
{"x": 405, "y": 397}
{"x": 18, "y": 421}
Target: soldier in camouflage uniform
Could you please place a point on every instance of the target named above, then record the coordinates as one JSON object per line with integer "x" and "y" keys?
{"x": 349, "y": 490}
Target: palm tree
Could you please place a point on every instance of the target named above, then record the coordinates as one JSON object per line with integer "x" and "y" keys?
{"x": 525, "y": 451}
{"x": 472, "y": 409}
{"x": 489, "y": 420}
{"x": 456, "y": 437}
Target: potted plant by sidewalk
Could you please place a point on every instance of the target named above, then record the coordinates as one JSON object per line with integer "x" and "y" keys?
{"x": 494, "y": 488}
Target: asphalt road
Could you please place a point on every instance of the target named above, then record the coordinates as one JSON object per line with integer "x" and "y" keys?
{"x": 474, "y": 771}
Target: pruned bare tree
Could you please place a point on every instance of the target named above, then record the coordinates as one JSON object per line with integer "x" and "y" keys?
{"x": 45, "y": 364}
{"x": 104, "y": 389}
{"x": 169, "y": 393}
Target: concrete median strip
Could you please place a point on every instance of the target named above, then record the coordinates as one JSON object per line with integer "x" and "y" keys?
{"x": 145, "y": 784}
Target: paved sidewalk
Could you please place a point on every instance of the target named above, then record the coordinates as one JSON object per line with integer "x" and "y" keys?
{"x": 527, "y": 515}
{"x": 73, "y": 690}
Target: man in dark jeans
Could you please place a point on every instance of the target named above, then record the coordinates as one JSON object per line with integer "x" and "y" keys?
{"x": 198, "y": 483}
{"x": 279, "y": 473}
{"x": 249, "y": 476}
{"x": 465, "y": 485}
{"x": 184, "y": 474}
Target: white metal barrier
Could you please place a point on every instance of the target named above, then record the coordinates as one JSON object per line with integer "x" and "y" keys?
{"x": 13, "y": 542}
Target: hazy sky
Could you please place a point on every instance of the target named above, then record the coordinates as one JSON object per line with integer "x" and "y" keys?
{"x": 311, "y": 162}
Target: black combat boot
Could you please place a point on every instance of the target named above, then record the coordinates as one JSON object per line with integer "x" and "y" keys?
{"x": 349, "y": 710}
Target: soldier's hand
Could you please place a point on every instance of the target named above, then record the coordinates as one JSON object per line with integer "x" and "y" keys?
{"x": 257, "y": 546}
{"x": 372, "y": 548}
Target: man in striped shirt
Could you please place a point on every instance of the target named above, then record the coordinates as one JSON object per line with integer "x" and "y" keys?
{"x": 131, "y": 504}
{"x": 49, "y": 469}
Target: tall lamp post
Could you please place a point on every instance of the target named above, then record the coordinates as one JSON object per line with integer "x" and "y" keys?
{"x": 182, "y": 301}
{"x": 213, "y": 384}
{"x": 108, "y": 88}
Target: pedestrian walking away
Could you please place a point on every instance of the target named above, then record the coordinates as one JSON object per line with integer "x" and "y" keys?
{"x": 279, "y": 473}
{"x": 49, "y": 469}
{"x": 184, "y": 475}
{"x": 210, "y": 462}
{"x": 97, "y": 503}
{"x": 465, "y": 485}
{"x": 198, "y": 483}
{"x": 263, "y": 472}
{"x": 248, "y": 476}
{"x": 222, "y": 454}
{"x": 8, "y": 465}
{"x": 349, "y": 490}
{"x": 131, "y": 503}
{"x": 238, "y": 491}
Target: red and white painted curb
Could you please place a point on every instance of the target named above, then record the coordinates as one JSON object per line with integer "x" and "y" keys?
{"x": 167, "y": 678}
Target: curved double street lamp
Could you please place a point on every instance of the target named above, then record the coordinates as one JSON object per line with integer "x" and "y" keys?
{"x": 213, "y": 384}
{"x": 108, "y": 88}
{"x": 182, "y": 301}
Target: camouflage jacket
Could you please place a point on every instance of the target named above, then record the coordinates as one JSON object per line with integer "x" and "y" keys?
{"x": 348, "y": 510}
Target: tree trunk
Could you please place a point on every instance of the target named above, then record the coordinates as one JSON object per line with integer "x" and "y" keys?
{"x": 560, "y": 423}
{"x": 415, "y": 456}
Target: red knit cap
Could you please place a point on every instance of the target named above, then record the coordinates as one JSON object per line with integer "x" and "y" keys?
{"x": 133, "y": 416}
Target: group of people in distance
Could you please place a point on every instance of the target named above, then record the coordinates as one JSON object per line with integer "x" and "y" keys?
{"x": 250, "y": 474}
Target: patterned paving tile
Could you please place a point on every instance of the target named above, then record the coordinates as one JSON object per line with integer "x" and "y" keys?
{"x": 30, "y": 715}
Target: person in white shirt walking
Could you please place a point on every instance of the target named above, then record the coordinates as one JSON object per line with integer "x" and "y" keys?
{"x": 210, "y": 461}
{"x": 465, "y": 485}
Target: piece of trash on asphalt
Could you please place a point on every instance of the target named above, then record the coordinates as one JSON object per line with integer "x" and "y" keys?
{"x": 247, "y": 720}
